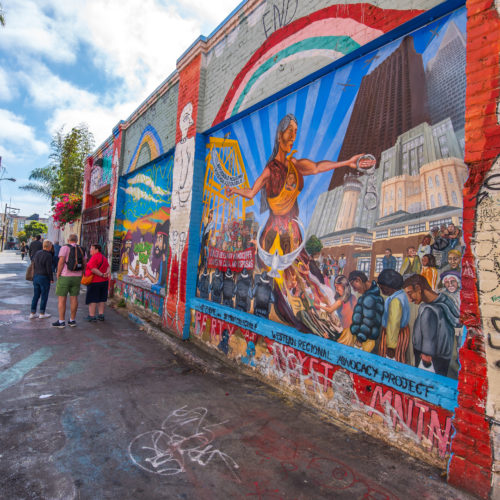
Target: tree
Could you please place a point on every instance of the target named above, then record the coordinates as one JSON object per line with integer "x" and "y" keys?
{"x": 34, "y": 228}
{"x": 2, "y": 16}
{"x": 21, "y": 236}
{"x": 64, "y": 173}
{"x": 313, "y": 245}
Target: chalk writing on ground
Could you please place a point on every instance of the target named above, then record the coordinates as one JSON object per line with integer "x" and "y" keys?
{"x": 184, "y": 438}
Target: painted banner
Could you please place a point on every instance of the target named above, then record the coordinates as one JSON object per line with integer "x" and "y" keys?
{"x": 236, "y": 261}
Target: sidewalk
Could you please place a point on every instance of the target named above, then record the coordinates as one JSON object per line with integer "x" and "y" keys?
{"x": 104, "y": 411}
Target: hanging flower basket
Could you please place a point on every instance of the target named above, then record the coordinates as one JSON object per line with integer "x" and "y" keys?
{"x": 67, "y": 210}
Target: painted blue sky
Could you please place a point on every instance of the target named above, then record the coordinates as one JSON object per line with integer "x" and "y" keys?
{"x": 323, "y": 110}
{"x": 64, "y": 62}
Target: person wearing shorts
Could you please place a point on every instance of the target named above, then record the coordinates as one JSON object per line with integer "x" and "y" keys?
{"x": 68, "y": 283}
{"x": 97, "y": 291}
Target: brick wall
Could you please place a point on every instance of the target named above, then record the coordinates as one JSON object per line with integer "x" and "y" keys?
{"x": 160, "y": 115}
{"x": 476, "y": 419}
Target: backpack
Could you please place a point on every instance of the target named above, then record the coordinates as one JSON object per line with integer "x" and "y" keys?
{"x": 75, "y": 258}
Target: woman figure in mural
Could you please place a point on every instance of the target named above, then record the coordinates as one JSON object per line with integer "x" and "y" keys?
{"x": 281, "y": 183}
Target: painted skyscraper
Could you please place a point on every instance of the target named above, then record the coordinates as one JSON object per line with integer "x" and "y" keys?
{"x": 391, "y": 99}
{"x": 446, "y": 80}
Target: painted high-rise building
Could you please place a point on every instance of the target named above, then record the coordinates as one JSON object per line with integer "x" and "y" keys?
{"x": 391, "y": 99}
{"x": 445, "y": 76}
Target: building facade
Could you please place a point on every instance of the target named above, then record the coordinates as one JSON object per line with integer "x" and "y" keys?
{"x": 287, "y": 152}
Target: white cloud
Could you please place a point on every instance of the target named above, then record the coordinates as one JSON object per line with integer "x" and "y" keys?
{"x": 34, "y": 28}
{"x": 48, "y": 90}
{"x": 6, "y": 90}
{"x": 13, "y": 130}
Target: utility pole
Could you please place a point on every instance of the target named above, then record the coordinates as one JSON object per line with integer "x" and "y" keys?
{"x": 6, "y": 223}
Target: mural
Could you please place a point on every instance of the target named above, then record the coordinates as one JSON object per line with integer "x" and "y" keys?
{"x": 182, "y": 185}
{"x": 149, "y": 142}
{"x": 337, "y": 209}
{"x": 143, "y": 224}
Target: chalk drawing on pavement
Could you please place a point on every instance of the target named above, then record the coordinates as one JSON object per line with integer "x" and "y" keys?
{"x": 184, "y": 438}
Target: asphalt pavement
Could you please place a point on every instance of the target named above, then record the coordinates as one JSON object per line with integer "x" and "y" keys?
{"x": 106, "y": 411}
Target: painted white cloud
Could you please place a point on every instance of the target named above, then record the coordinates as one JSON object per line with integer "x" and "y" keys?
{"x": 147, "y": 181}
{"x": 14, "y": 130}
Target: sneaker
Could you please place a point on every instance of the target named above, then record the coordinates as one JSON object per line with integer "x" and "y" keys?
{"x": 100, "y": 317}
{"x": 59, "y": 324}
{"x": 71, "y": 322}
{"x": 91, "y": 318}
{"x": 44, "y": 316}
{"x": 33, "y": 315}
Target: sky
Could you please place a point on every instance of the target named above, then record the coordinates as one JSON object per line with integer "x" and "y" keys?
{"x": 66, "y": 62}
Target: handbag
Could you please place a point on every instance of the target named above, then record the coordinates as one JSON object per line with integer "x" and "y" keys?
{"x": 87, "y": 280}
{"x": 30, "y": 272}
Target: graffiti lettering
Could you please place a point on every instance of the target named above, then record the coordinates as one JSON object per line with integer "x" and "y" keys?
{"x": 492, "y": 183}
{"x": 279, "y": 16}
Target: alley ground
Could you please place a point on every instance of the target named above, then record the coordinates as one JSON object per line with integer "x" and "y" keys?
{"x": 103, "y": 411}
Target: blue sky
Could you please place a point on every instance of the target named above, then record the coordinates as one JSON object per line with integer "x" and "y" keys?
{"x": 64, "y": 62}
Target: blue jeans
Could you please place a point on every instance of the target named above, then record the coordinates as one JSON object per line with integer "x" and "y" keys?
{"x": 41, "y": 286}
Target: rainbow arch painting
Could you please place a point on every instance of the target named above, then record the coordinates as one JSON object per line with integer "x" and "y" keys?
{"x": 150, "y": 138}
{"x": 331, "y": 33}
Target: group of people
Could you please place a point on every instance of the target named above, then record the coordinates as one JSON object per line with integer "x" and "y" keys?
{"x": 72, "y": 264}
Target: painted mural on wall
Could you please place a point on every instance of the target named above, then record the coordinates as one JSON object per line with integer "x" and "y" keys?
{"x": 337, "y": 209}
{"x": 182, "y": 185}
{"x": 143, "y": 224}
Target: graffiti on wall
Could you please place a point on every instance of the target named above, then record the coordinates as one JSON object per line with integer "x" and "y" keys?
{"x": 333, "y": 387}
{"x": 337, "y": 209}
{"x": 143, "y": 223}
{"x": 138, "y": 296}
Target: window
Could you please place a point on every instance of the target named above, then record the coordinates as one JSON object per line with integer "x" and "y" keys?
{"x": 417, "y": 228}
{"x": 454, "y": 198}
{"x": 381, "y": 234}
{"x": 443, "y": 146}
{"x": 433, "y": 201}
{"x": 450, "y": 178}
{"x": 405, "y": 163}
{"x": 364, "y": 265}
{"x": 437, "y": 181}
{"x": 378, "y": 265}
{"x": 400, "y": 194}
{"x": 430, "y": 182}
{"x": 440, "y": 200}
{"x": 398, "y": 231}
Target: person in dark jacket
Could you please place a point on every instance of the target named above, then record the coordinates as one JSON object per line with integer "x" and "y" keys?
{"x": 434, "y": 328}
{"x": 35, "y": 246}
{"x": 55, "y": 259}
{"x": 42, "y": 278}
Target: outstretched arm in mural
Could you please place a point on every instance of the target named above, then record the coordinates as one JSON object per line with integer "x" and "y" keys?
{"x": 249, "y": 193}
{"x": 309, "y": 167}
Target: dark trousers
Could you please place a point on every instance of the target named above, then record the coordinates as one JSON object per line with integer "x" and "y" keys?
{"x": 440, "y": 364}
{"x": 41, "y": 287}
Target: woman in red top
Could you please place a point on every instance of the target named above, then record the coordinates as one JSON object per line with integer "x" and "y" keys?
{"x": 97, "y": 291}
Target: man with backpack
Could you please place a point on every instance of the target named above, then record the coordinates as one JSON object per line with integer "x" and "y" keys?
{"x": 69, "y": 275}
